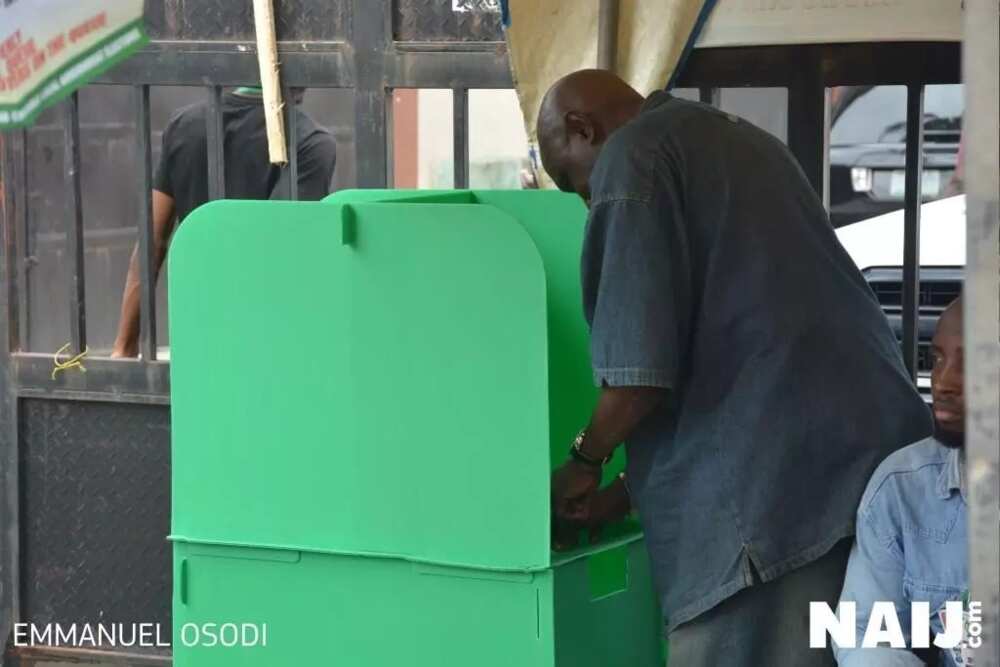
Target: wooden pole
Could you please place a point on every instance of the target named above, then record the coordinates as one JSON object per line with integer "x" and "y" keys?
{"x": 267, "y": 57}
{"x": 607, "y": 34}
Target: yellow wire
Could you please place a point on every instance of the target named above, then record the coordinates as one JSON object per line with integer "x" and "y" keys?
{"x": 72, "y": 362}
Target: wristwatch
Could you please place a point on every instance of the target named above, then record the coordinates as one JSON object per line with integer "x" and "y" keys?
{"x": 576, "y": 452}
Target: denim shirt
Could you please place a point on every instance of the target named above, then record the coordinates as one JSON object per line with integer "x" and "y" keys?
{"x": 710, "y": 268}
{"x": 911, "y": 546}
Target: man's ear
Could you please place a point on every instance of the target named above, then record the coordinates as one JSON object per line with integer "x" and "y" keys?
{"x": 581, "y": 125}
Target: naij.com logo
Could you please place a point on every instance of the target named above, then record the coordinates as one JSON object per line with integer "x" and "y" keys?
{"x": 962, "y": 625}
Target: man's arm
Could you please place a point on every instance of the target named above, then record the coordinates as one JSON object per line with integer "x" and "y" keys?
{"x": 577, "y": 503}
{"x": 127, "y": 341}
{"x": 619, "y": 412}
{"x": 875, "y": 573}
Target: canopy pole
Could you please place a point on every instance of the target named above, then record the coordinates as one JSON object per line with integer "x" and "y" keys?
{"x": 607, "y": 34}
{"x": 267, "y": 58}
{"x": 981, "y": 50}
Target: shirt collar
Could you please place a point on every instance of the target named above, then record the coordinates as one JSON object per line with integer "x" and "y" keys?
{"x": 656, "y": 99}
{"x": 952, "y": 476}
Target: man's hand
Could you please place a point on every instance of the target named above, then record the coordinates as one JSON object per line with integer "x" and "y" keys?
{"x": 124, "y": 351}
{"x": 599, "y": 508}
{"x": 573, "y": 489}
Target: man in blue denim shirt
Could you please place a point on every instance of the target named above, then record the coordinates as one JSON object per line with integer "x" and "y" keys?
{"x": 911, "y": 542}
{"x": 741, "y": 356}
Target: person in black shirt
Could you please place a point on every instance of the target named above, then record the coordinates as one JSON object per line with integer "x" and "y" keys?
{"x": 181, "y": 181}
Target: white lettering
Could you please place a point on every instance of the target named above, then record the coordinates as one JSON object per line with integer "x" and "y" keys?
{"x": 883, "y": 627}
{"x": 184, "y": 634}
{"x": 20, "y": 630}
{"x": 920, "y": 625}
{"x": 222, "y": 634}
{"x": 68, "y": 639}
{"x": 146, "y": 635}
{"x": 87, "y": 636}
{"x": 244, "y": 629}
{"x": 823, "y": 621}
{"x": 121, "y": 635}
{"x": 975, "y": 629}
{"x": 159, "y": 639}
{"x": 952, "y": 635}
{"x": 107, "y": 636}
{"x": 208, "y": 629}
{"x": 41, "y": 639}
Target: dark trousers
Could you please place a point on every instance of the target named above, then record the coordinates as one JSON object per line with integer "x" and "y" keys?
{"x": 767, "y": 624}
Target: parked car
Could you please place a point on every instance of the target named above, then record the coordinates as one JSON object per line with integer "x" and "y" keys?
{"x": 868, "y": 148}
{"x": 876, "y": 245}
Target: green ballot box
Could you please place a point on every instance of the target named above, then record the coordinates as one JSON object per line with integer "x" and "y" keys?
{"x": 369, "y": 395}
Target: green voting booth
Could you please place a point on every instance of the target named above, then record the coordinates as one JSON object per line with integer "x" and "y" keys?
{"x": 368, "y": 397}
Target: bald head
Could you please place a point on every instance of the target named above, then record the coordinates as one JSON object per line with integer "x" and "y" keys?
{"x": 577, "y": 114}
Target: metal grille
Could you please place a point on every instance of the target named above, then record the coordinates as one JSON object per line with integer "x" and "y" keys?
{"x": 938, "y": 288}
{"x": 934, "y": 296}
{"x": 95, "y": 512}
{"x": 214, "y": 20}
{"x": 446, "y": 20}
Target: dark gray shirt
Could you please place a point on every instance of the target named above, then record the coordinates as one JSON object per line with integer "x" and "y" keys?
{"x": 183, "y": 169}
{"x": 710, "y": 268}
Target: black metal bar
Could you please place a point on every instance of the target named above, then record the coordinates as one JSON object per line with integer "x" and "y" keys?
{"x": 11, "y": 173}
{"x": 487, "y": 69}
{"x": 710, "y": 95}
{"x": 806, "y": 112}
{"x": 147, "y": 247}
{"x": 22, "y": 257}
{"x": 105, "y": 380}
{"x": 19, "y": 162}
{"x": 74, "y": 223}
{"x": 13, "y": 267}
{"x": 216, "y": 141}
{"x": 292, "y": 140}
{"x": 911, "y": 223}
{"x": 607, "y": 34}
{"x": 460, "y": 130}
{"x": 883, "y": 63}
{"x": 10, "y": 513}
{"x": 323, "y": 65}
{"x": 371, "y": 34}
{"x": 825, "y": 190}
{"x": 485, "y": 65}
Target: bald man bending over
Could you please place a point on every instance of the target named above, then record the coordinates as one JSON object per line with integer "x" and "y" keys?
{"x": 742, "y": 359}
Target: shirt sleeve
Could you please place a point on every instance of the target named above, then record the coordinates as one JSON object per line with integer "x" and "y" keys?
{"x": 875, "y": 573}
{"x": 164, "y": 167}
{"x": 636, "y": 291}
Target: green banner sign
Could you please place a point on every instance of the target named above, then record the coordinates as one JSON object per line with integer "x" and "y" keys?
{"x": 49, "y": 48}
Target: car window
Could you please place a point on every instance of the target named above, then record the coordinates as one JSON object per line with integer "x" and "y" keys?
{"x": 879, "y": 115}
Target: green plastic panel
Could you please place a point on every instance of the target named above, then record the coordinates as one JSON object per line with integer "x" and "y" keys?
{"x": 555, "y": 221}
{"x": 323, "y": 609}
{"x": 368, "y": 396}
{"x": 387, "y": 396}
